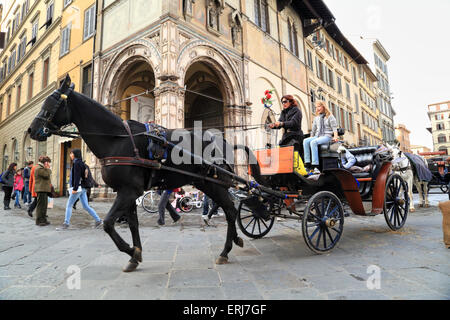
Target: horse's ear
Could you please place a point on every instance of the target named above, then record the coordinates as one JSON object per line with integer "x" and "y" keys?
{"x": 65, "y": 84}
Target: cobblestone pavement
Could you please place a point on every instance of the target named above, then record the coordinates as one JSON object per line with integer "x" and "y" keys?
{"x": 39, "y": 262}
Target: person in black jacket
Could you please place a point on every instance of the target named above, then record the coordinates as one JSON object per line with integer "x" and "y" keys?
{"x": 87, "y": 182}
{"x": 76, "y": 190}
{"x": 8, "y": 184}
{"x": 291, "y": 121}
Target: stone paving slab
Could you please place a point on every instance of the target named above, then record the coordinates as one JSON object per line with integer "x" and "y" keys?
{"x": 179, "y": 260}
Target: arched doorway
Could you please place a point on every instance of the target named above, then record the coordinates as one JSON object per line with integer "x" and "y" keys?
{"x": 27, "y": 149}
{"x": 15, "y": 155}
{"x": 135, "y": 80}
{"x": 204, "y": 97}
{"x": 5, "y": 158}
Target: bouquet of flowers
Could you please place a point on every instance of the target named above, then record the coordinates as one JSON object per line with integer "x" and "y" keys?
{"x": 267, "y": 100}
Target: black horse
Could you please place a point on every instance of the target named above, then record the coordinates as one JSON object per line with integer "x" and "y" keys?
{"x": 106, "y": 136}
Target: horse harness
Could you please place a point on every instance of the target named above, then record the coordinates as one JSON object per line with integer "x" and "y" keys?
{"x": 158, "y": 149}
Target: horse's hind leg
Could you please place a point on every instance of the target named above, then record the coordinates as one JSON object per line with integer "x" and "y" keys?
{"x": 134, "y": 228}
{"x": 425, "y": 192}
{"x": 122, "y": 206}
{"x": 419, "y": 186}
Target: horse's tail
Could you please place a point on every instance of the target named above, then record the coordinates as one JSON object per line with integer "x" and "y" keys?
{"x": 253, "y": 163}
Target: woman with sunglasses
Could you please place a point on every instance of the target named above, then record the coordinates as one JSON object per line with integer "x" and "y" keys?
{"x": 291, "y": 121}
{"x": 323, "y": 131}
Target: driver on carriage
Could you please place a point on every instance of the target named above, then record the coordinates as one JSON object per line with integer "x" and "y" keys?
{"x": 291, "y": 121}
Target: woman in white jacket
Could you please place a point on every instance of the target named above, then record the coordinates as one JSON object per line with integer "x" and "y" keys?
{"x": 324, "y": 130}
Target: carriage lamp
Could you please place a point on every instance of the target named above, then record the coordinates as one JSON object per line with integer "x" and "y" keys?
{"x": 16, "y": 155}
{"x": 29, "y": 151}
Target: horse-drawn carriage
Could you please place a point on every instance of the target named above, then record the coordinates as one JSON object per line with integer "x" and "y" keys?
{"x": 127, "y": 150}
{"x": 440, "y": 171}
{"x": 319, "y": 203}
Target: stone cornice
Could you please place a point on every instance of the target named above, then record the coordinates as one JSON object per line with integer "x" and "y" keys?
{"x": 41, "y": 95}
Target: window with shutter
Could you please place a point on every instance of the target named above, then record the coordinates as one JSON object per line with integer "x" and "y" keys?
{"x": 65, "y": 40}
{"x": 89, "y": 23}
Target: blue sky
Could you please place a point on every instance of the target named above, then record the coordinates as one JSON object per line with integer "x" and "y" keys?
{"x": 416, "y": 34}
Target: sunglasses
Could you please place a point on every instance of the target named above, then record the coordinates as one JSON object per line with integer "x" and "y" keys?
{"x": 284, "y": 101}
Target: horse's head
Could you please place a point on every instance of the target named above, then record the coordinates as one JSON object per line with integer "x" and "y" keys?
{"x": 54, "y": 114}
{"x": 395, "y": 150}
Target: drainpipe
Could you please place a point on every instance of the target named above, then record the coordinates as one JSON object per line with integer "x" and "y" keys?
{"x": 283, "y": 91}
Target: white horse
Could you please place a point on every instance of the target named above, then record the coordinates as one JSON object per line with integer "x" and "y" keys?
{"x": 403, "y": 167}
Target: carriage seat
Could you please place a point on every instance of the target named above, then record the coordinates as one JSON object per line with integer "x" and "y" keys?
{"x": 363, "y": 155}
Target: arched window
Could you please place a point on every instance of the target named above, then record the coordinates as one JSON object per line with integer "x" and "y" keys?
{"x": 293, "y": 37}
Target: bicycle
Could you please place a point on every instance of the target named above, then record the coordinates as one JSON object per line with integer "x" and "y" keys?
{"x": 149, "y": 201}
{"x": 191, "y": 200}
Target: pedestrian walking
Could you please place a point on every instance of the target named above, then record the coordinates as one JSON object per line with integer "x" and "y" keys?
{"x": 18, "y": 187}
{"x": 207, "y": 213}
{"x": 165, "y": 204}
{"x": 26, "y": 179}
{"x": 33, "y": 193}
{"x": 8, "y": 184}
{"x": 42, "y": 187}
{"x": 88, "y": 183}
{"x": 77, "y": 191}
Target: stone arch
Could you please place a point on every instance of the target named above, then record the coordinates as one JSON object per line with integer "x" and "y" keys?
{"x": 114, "y": 68}
{"x": 201, "y": 51}
{"x": 15, "y": 154}
{"x": 26, "y": 143}
{"x": 260, "y": 137}
{"x": 306, "y": 121}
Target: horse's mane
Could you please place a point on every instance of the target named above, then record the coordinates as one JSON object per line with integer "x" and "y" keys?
{"x": 107, "y": 113}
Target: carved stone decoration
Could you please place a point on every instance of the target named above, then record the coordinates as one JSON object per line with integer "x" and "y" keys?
{"x": 214, "y": 9}
{"x": 188, "y": 9}
{"x": 236, "y": 28}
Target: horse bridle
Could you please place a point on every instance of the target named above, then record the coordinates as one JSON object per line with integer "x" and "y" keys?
{"x": 47, "y": 115}
{"x": 398, "y": 168}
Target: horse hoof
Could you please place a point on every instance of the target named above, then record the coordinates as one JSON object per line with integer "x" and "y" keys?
{"x": 222, "y": 260}
{"x": 427, "y": 206}
{"x": 420, "y": 205}
{"x": 239, "y": 242}
{"x": 131, "y": 266}
{"x": 137, "y": 254}
{"x": 412, "y": 210}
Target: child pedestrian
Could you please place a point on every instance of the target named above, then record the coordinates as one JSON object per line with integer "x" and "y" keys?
{"x": 18, "y": 187}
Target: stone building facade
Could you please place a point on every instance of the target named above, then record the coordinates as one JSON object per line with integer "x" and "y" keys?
{"x": 439, "y": 115}
{"x": 175, "y": 62}
{"x": 28, "y": 74}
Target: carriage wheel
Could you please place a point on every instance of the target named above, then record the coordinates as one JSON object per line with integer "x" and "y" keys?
{"x": 250, "y": 224}
{"x": 396, "y": 202}
{"x": 323, "y": 222}
{"x": 150, "y": 201}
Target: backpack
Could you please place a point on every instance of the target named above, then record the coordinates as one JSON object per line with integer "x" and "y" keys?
{"x": 86, "y": 178}
{"x": 1, "y": 175}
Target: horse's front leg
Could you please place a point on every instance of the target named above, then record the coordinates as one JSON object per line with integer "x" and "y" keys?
{"x": 122, "y": 206}
{"x": 410, "y": 193}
